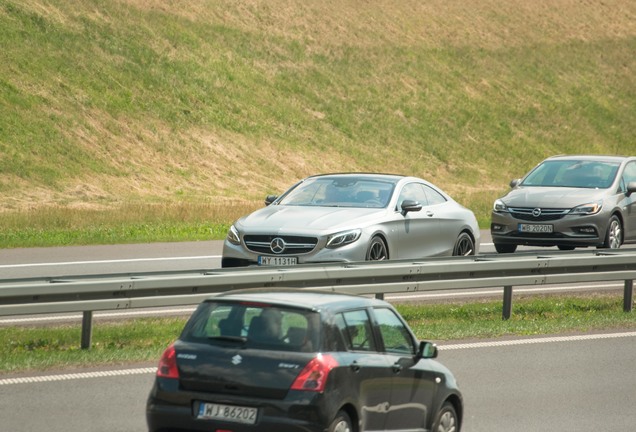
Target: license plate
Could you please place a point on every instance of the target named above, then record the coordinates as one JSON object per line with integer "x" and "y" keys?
{"x": 277, "y": 261}
{"x": 535, "y": 228}
{"x": 230, "y": 413}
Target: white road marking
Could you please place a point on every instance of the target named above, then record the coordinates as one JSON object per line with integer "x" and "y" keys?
{"x": 536, "y": 341}
{"x": 138, "y": 371}
{"x": 117, "y": 261}
{"x": 75, "y": 376}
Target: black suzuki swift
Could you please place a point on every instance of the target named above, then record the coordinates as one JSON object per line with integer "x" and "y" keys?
{"x": 296, "y": 360}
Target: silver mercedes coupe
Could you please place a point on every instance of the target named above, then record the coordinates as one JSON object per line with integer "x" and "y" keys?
{"x": 352, "y": 217}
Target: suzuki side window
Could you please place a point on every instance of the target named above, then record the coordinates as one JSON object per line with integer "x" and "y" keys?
{"x": 356, "y": 330}
{"x": 397, "y": 339}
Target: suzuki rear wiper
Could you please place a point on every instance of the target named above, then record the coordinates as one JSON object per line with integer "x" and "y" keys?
{"x": 240, "y": 339}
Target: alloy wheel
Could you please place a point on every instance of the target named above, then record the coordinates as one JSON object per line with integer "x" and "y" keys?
{"x": 615, "y": 234}
{"x": 464, "y": 246}
{"x": 377, "y": 250}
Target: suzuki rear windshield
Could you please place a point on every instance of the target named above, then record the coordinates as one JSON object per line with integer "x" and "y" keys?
{"x": 254, "y": 325}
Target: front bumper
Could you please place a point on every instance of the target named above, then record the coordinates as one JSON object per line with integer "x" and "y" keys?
{"x": 576, "y": 231}
{"x": 239, "y": 255}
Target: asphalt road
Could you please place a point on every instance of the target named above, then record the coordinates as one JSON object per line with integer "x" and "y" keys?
{"x": 526, "y": 385}
{"x": 565, "y": 385}
{"x": 135, "y": 258}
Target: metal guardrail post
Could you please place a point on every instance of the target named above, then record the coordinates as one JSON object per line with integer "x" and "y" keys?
{"x": 628, "y": 296}
{"x": 87, "y": 329}
{"x": 507, "y": 303}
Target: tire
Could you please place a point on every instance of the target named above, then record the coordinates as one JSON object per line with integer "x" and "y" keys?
{"x": 342, "y": 423}
{"x": 377, "y": 250}
{"x": 614, "y": 235}
{"x": 505, "y": 248}
{"x": 446, "y": 419}
{"x": 464, "y": 245}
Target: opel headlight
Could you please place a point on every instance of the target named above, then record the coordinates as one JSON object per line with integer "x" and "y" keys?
{"x": 343, "y": 238}
{"x": 587, "y": 209}
{"x": 499, "y": 206}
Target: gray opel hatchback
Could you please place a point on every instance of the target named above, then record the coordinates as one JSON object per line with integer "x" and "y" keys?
{"x": 297, "y": 360}
{"x": 569, "y": 202}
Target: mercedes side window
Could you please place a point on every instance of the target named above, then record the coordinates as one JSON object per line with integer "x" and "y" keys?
{"x": 396, "y": 337}
{"x": 433, "y": 196}
{"x": 413, "y": 192}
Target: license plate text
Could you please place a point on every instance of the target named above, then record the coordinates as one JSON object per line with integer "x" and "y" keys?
{"x": 231, "y": 413}
{"x": 535, "y": 228}
{"x": 277, "y": 261}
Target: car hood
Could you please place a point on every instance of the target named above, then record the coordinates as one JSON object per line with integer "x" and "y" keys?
{"x": 308, "y": 219}
{"x": 551, "y": 197}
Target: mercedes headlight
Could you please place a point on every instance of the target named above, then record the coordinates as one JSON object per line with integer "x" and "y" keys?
{"x": 343, "y": 238}
{"x": 233, "y": 236}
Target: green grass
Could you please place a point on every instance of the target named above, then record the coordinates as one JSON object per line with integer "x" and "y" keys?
{"x": 57, "y": 346}
{"x": 530, "y": 316}
{"x": 108, "y": 103}
{"x": 132, "y": 223}
{"x": 143, "y": 340}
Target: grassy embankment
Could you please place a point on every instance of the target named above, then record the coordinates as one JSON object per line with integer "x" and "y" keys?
{"x": 143, "y": 340}
{"x": 138, "y": 121}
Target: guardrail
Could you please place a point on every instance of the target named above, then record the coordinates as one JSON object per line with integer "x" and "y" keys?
{"x": 125, "y": 291}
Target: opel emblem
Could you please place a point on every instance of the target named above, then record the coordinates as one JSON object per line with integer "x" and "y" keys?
{"x": 277, "y": 245}
{"x": 536, "y": 212}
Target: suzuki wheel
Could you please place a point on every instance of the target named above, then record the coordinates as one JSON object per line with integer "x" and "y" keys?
{"x": 446, "y": 420}
{"x": 342, "y": 423}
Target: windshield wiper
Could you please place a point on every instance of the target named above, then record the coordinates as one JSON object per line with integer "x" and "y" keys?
{"x": 240, "y": 339}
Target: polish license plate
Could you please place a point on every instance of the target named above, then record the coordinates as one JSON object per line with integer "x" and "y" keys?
{"x": 230, "y": 413}
{"x": 277, "y": 261}
{"x": 535, "y": 228}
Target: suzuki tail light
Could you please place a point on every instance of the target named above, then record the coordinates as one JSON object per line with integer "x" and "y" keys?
{"x": 168, "y": 364}
{"x": 314, "y": 376}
